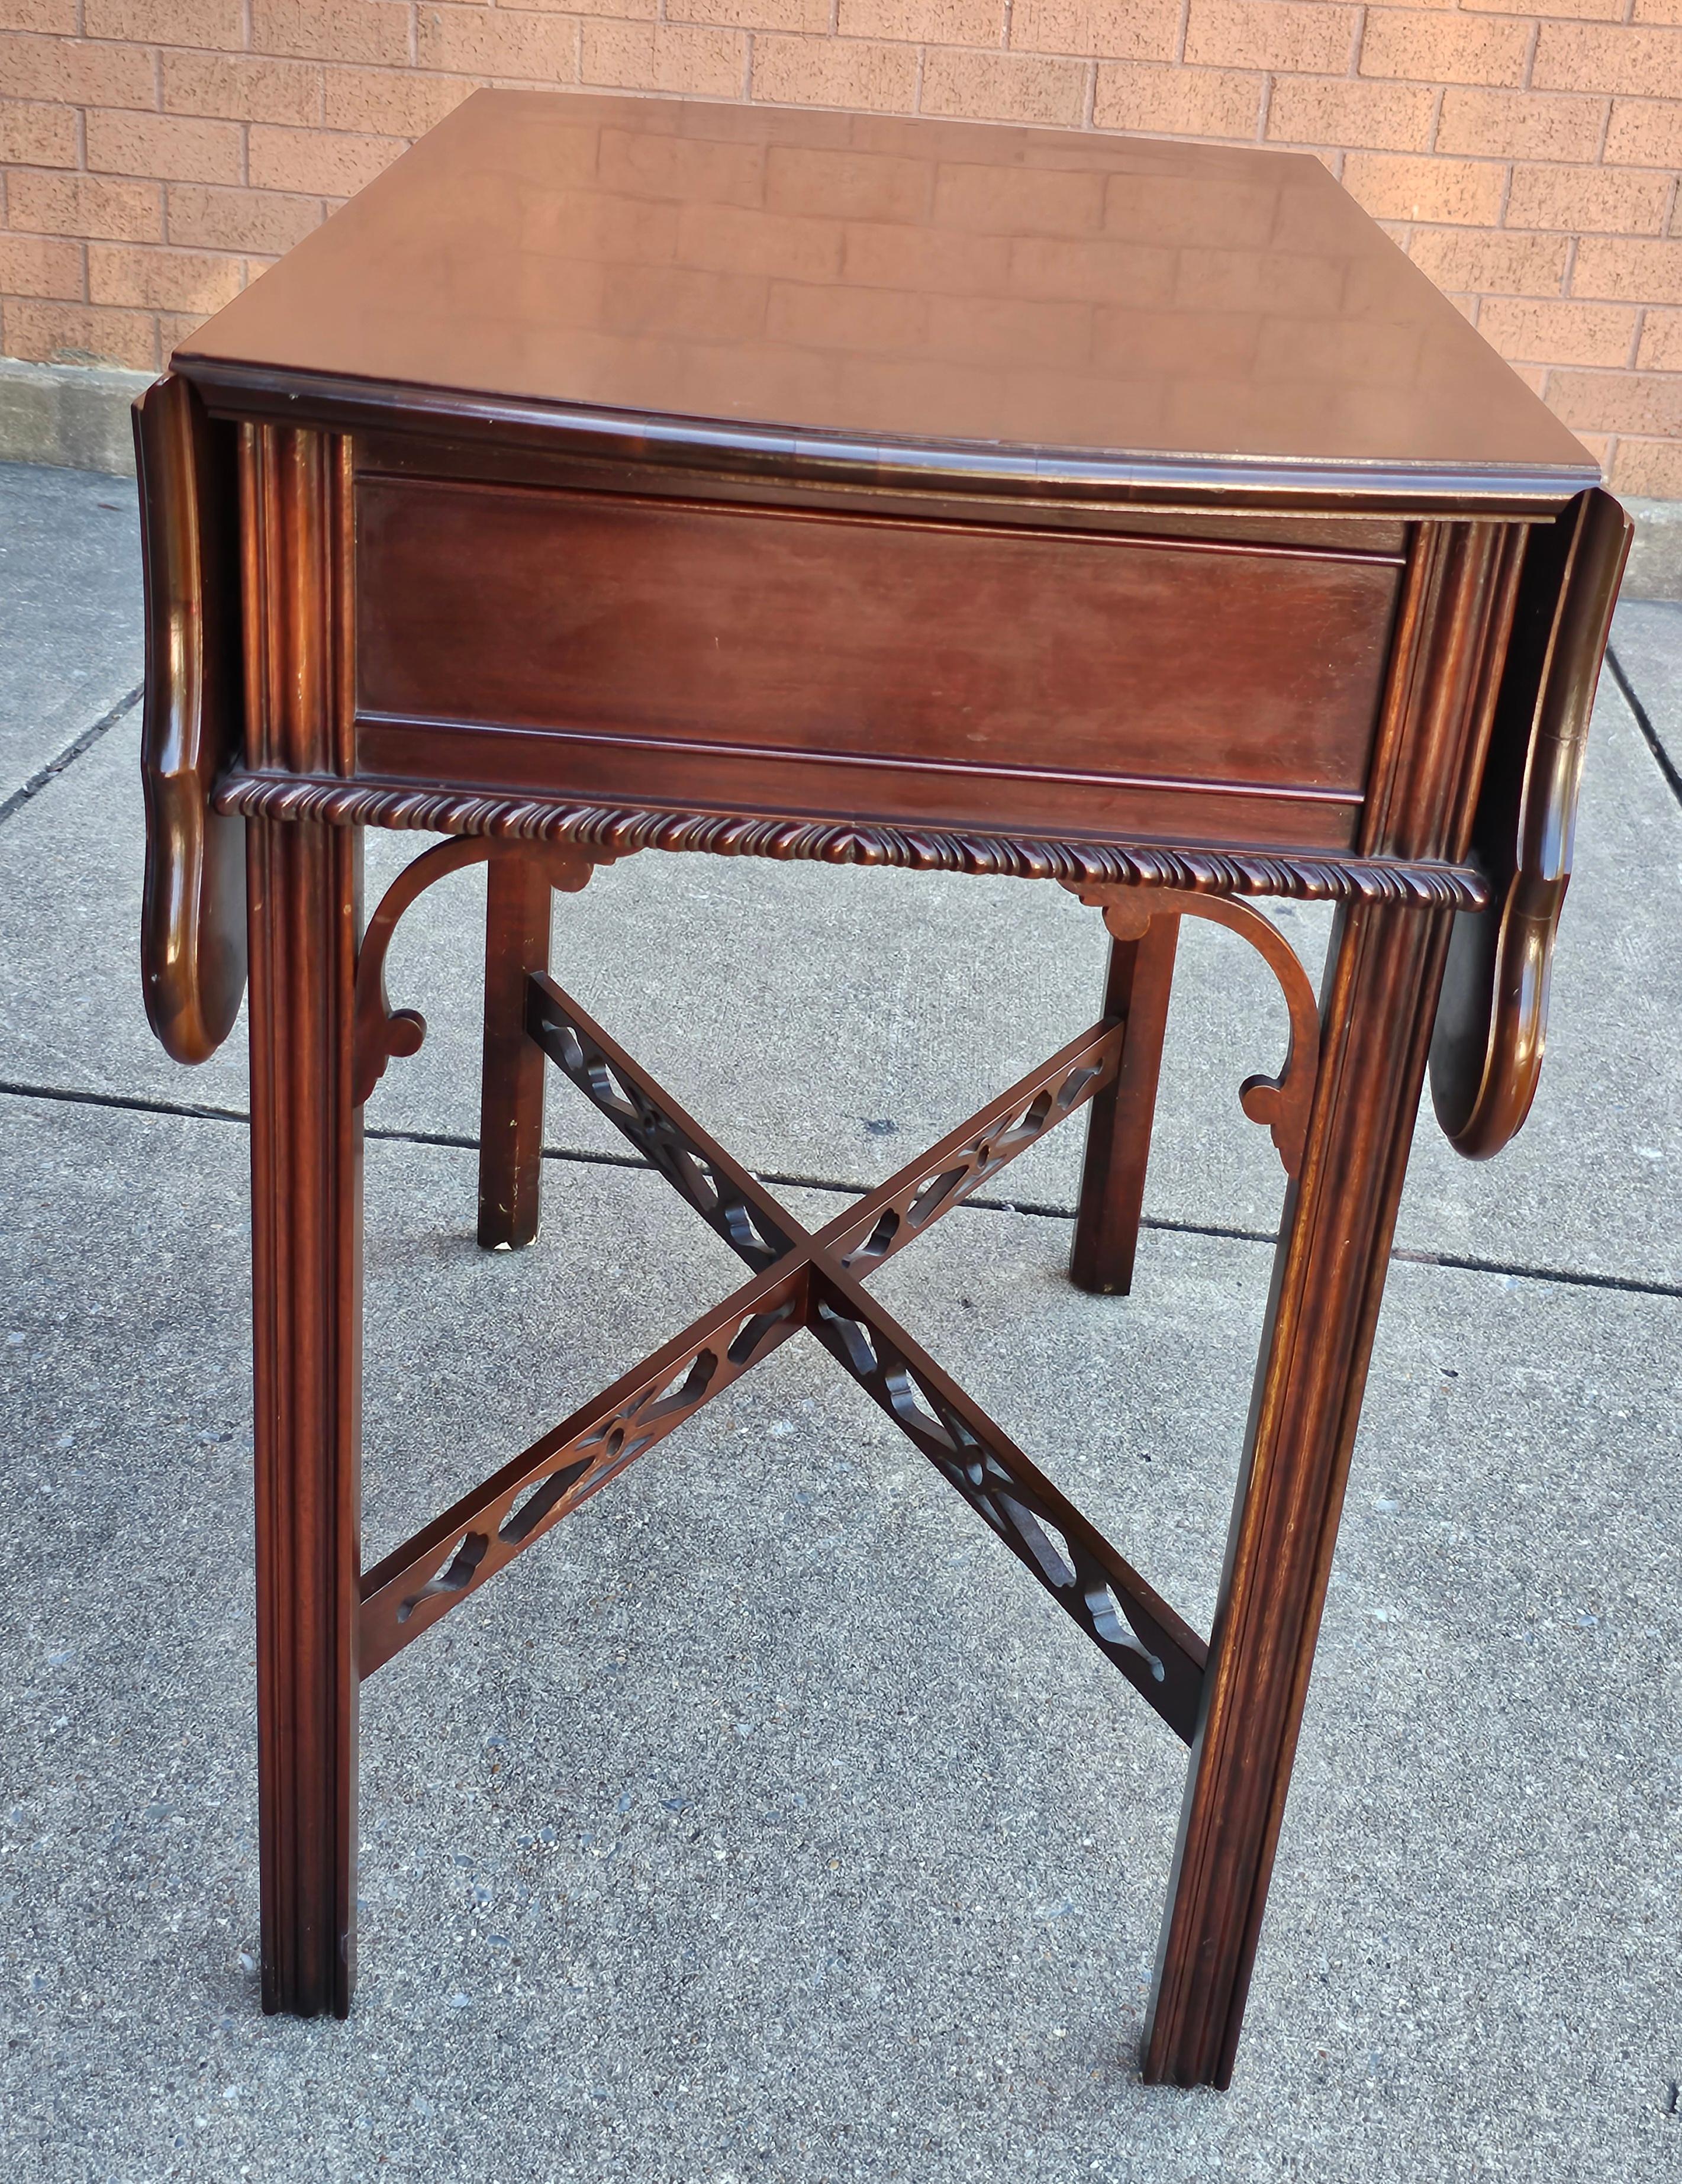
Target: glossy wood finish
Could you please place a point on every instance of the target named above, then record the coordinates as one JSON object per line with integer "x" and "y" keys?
{"x": 306, "y": 1168}
{"x": 1486, "y": 1053}
{"x": 1137, "y": 987}
{"x": 620, "y": 475}
{"x": 192, "y": 940}
{"x": 305, "y": 914}
{"x": 1327, "y": 1280}
{"x": 1383, "y": 973}
{"x": 512, "y": 1090}
{"x": 994, "y": 308}
{"x": 722, "y": 653}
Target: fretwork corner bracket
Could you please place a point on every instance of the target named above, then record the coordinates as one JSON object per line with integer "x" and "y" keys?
{"x": 384, "y": 1034}
{"x": 1280, "y": 1103}
{"x": 799, "y": 1280}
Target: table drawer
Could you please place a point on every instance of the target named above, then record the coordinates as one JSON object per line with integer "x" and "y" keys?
{"x": 671, "y": 652}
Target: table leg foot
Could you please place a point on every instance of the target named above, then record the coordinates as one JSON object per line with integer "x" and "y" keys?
{"x": 304, "y": 882}
{"x": 511, "y": 1101}
{"x": 1384, "y": 972}
{"x": 1141, "y": 977}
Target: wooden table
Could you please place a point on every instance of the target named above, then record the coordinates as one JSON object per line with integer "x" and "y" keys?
{"x": 616, "y": 475}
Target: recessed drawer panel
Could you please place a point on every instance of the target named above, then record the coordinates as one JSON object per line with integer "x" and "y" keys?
{"x": 888, "y": 667}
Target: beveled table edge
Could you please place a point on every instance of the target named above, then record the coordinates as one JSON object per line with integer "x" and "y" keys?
{"x": 619, "y": 830}
{"x": 1251, "y": 484}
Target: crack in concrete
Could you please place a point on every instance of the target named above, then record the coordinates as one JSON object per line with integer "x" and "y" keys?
{"x": 71, "y": 754}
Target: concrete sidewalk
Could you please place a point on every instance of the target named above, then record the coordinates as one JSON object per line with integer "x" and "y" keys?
{"x": 766, "y": 1823}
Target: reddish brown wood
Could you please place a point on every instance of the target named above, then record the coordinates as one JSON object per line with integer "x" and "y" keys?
{"x": 1327, "y": 1281}
{"x": 1008, "y": 309}
{"x": 511, "y": 1094}
{"x": 800, "y": 1280}
{"x": 1384, "y": 971}
{"x": 1280, "y": 1102}
{"x": 1136, "y": 989}
{"x": 1486, "y": 1052}
{"x": 1093, "y": 572}
{"x": 306, "y": 1134}
{"x": 192, "y": 924}
{"x": 1096, "y": 860}
{"x": 906, "y": 665}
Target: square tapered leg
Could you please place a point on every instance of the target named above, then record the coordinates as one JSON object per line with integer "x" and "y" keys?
{"x": 1137, "y": 988}
{"x": 1385, "y": 967}
{"x": 307, "y": 1275}
{"x": 517, "y": 910}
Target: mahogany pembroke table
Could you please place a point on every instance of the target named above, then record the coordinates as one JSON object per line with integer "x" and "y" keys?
{"x": 616, "y": 474}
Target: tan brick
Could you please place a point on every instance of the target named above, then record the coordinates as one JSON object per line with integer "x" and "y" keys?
{"x": 38, "y": 136}
{"x": 54, "y": 18}
{"x": 389, "y": 102}
{"x": 1618, "y": 401}
{"x": 239, "y": 90}
{"x": 1515, "y": 125}
{"x": 214, "y": 23}
{"x": 1648, "y": 466}
{"x": 331, "y": 30}
{"x": 1645, "y": 132}
{"x": 656, "y": 57}
{"x": 86, "y": 204}
{"x": 1465, "y": 263}
{"x": 1610, "y": 11}
{"x": 40, "y": 265}
{"x": 501, "y": 42}
{"x": 1606, "y": 56}
{"x": 1623, "y": 271}
{"x": 1467, "y": 192}
{"x": 240, "y": 220}
{"x": 1128, "y": 30}
{"x": 312, "y": 161}
{"x": 874, "y": 77}
{"x": 931, "y": 22}
{"x": 80, "y": 333}
{"x": 1429, "y": 48}
{"x": 1529, "y": 332}
{"x": 1386, "y": 117}
{"x": 161, "y": 280}
{"x": 175, "y": 326}
{"x": 1178, "y": 101}
{"x": 166, "y": 146}
{"x": 722, "y": 238}
{"x": 1271, "y": 33}
{"x": 1656, "y": 11}
{"x": 1579, "y": 200}
{"x": 753, "y": 14}
{"x": 80, "y": 74}
{"x": 1661, "y": 349}
{"x": 1003, "y": 87}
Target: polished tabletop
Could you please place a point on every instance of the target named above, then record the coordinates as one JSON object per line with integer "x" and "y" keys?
{"x": 908, "y": 281}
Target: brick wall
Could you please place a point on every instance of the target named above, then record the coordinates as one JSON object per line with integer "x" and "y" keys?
{"x": 157, "y": 154}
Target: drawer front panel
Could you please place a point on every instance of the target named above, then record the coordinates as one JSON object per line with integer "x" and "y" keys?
{"x": 891, "y": 668}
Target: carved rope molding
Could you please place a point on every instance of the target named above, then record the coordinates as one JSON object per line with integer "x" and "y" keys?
{"x": 613, "y": 831}
{"x": 383, "y": 1033}
{"x": 1281, "y": 1102}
